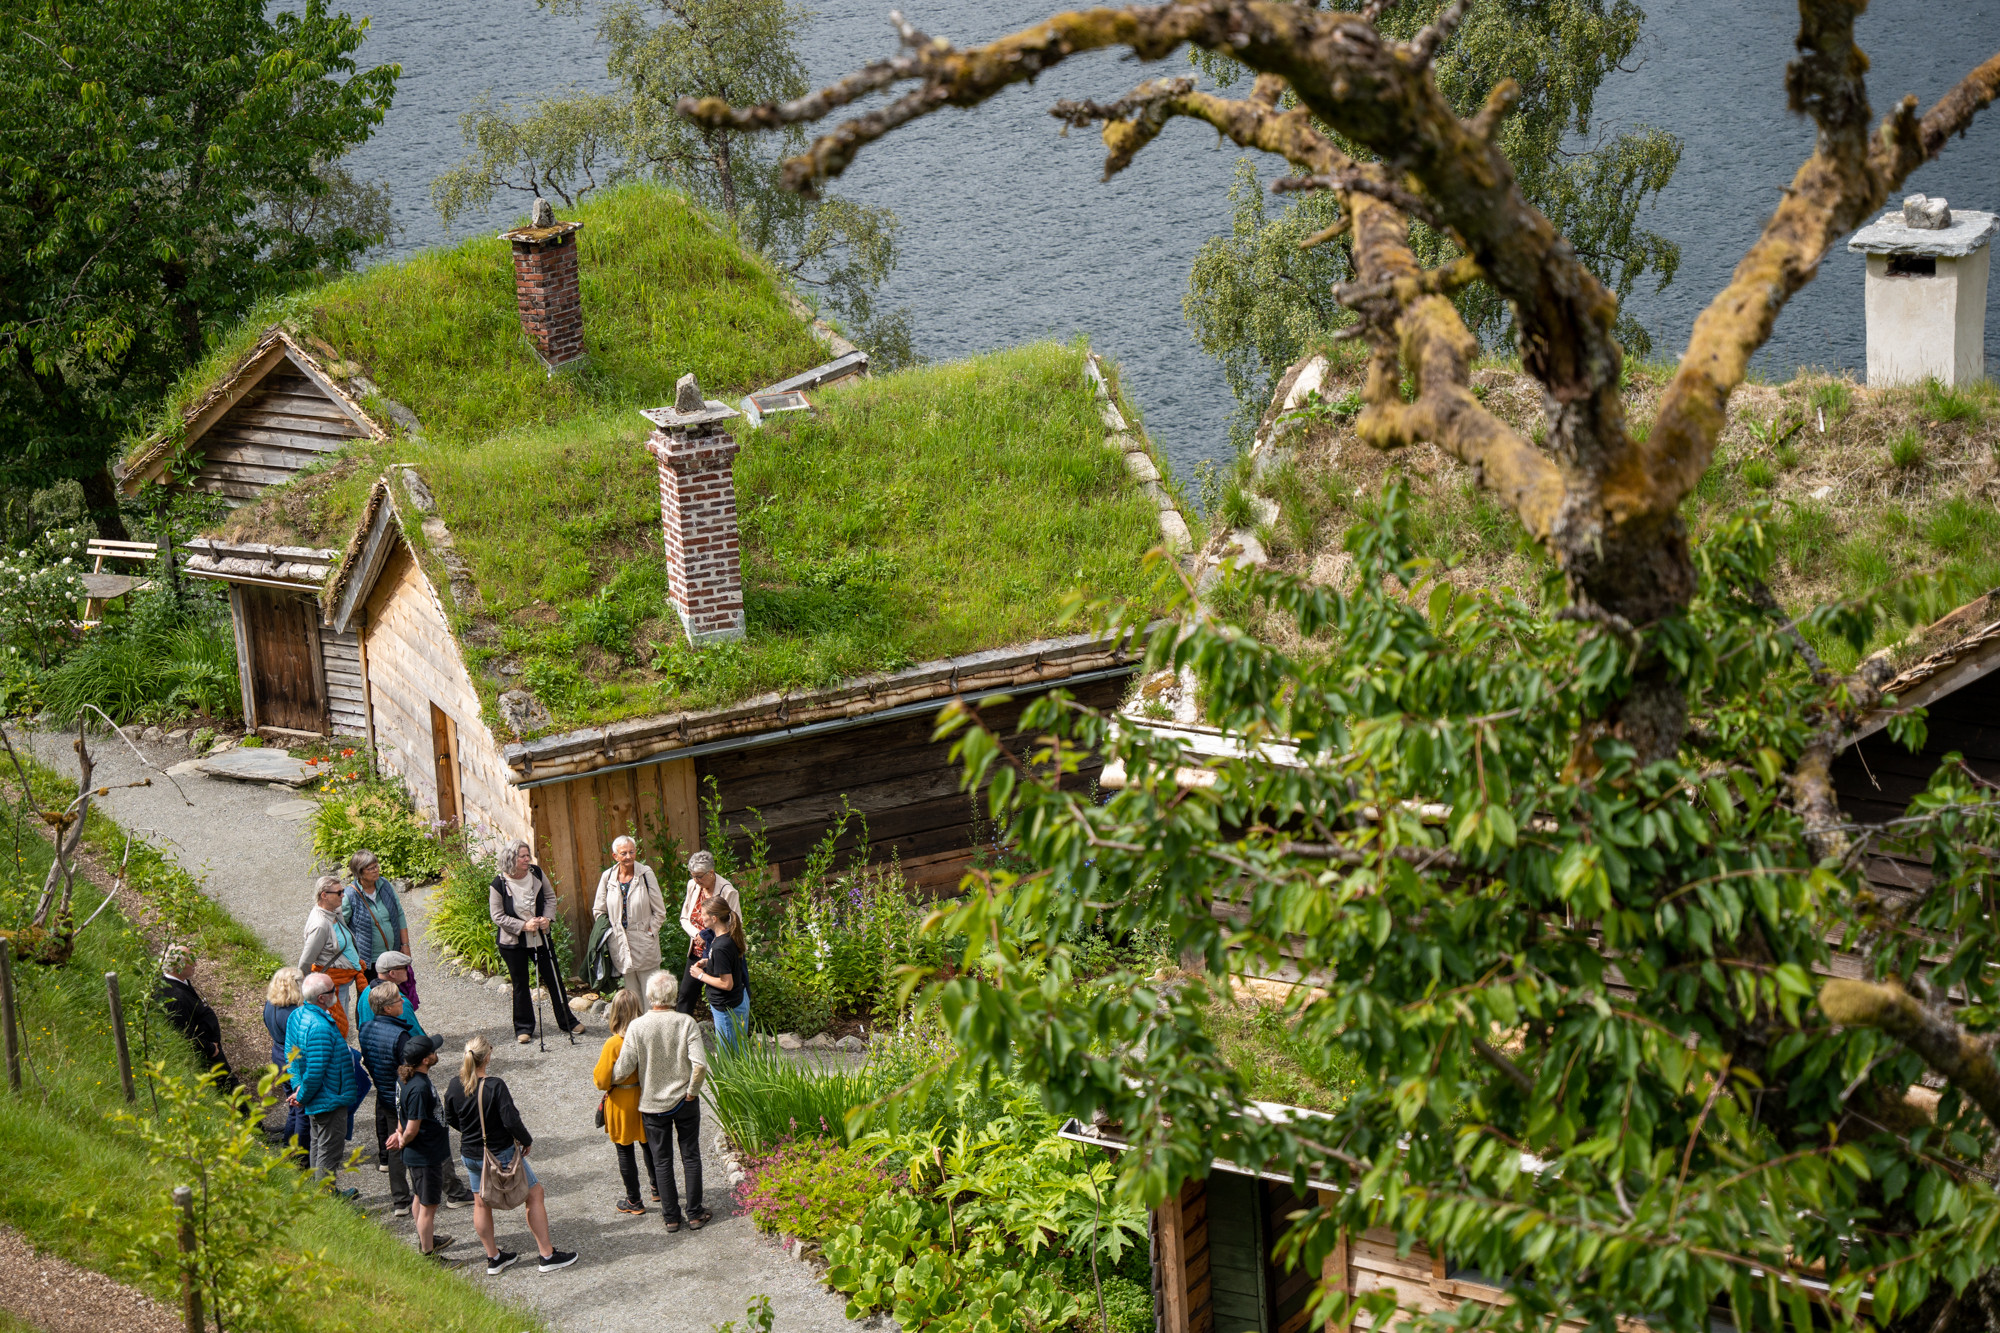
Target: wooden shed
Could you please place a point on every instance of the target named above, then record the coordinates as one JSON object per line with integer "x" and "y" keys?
{"x": 279, "y": 410}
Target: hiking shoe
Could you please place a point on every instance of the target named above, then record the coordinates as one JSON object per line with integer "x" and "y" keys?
{"x": 524, "y": 1039}
{"x": 501, "y": 1262}
{"x": 630, "y": 1206}
{"x": 402, "y": 1210}
{"x": 438, "y": 1257}
{"x": 560, "y": 1259}
{"x": 458, "y": 1200}
{"x": 383, "y": 1167}
{"x": 442, "y": 1242}
{"x": 351, "y": 1196}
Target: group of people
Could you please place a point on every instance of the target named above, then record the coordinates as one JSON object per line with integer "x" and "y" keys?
{"x": 343, "y": 1023}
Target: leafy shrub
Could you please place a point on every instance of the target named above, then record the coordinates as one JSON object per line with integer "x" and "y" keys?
{"x": 462, "y": 920}
{"x": 559, "y": 685}
{"x": 41, "y": 586}
{"x": 168, "y": 654}
{"x": 810, "y": 1187}
{"x": 357, "y": 811}
{"x": 783, "y": 1002}
{"x": 1128, "y": 1306}
{"x": 763, "y": 1096}
{"x": 244, "y": 1197}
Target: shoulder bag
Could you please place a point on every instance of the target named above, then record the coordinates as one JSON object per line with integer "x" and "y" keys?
{"x": 500, "y": 1187}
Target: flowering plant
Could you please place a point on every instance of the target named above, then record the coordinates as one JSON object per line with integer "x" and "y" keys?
{"x": 40, "y": 589}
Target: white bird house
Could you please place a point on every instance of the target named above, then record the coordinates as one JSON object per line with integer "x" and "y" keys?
{"x": 1926, "y": 295}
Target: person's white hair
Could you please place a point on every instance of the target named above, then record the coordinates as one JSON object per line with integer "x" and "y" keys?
{"x": 316, "y": 985}
{"x": 701, "y": 863}
{"x": 662, "y": 990}
{"x": 514, "y": 850}
{"x": 624, "y": 840}
{"x": 383, "y": 994}
{"x": 322, "y": 884}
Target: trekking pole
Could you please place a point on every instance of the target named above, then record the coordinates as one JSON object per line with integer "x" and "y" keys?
{"x": 7, "y": 1016}
{"x": 118, "y": 1035}
{"x": 540, "y": 1042}
{"x": 190, "y": 1289}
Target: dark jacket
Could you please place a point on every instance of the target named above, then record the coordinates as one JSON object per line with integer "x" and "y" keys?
{"x": 196, "y": 1021}
{"x": 503, "y": 1123}
{"x": 382, "y": 1041}
{"x": 275, "y": 1019}
{"x": 375, "y": 928}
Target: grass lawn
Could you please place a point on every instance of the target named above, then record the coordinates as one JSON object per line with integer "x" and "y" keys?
{"x": 1278, "y": 1064}
{"x": 64, "y": 1154}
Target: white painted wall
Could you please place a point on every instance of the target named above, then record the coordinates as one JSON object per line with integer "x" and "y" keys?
{"x": 1927, "y": 325}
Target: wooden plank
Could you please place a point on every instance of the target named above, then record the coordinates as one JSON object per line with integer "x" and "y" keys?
{"x": 271, "y": 416}
{"x": 283, "y": 643}
{"x": 243, "y": 474}
{"x": 228, "y": 454}
{"x": 1172, "y": 1267}
{"x": 308, "y": 607}
{"x": 243, "y": 677}
{"x": 319, "y": 445}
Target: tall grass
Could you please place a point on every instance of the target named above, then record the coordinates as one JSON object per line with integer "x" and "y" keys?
{"x": 763, "y": 1095}
{"x": 163, "y": 656}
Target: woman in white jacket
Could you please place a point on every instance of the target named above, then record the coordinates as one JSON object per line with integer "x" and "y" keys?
{"x": 629, "y": 898}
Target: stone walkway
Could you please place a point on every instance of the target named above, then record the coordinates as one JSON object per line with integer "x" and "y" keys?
{"x": 251, "y": 844}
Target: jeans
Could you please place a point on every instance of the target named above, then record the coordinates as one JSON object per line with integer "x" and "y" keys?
{"x": 517, "y": 958}
{"x": 399, "y": 1176}
{"x": 732, "y": 1026}
{"x": 329, "y": 1140}
{"x": 661, "y": 1129}
{"x": 628, "y": 1167}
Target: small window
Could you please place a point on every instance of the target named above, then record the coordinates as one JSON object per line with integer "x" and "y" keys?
{"x": 1912, "y": 266}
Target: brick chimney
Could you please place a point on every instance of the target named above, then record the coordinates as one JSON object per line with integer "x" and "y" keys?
{"x": 696, "y": 457}
{"x": 545, "y": 286}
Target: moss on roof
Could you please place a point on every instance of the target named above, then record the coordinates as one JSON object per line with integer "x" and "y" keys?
{"x": 935, "y": 511}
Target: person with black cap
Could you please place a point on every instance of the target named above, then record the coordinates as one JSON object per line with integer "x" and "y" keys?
{"x": 422, "y": 1138}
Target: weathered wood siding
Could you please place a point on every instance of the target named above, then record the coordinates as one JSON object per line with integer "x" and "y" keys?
{"x": 347, "y": 701}
{"x": 891, "y": 773}
{"x": 1876, "y": 777}
{"x": 576, "y": 821}
{"x": 277, "y": 428}
{"x": 1182, "y": 1295}
{"x": 413, "y": 665}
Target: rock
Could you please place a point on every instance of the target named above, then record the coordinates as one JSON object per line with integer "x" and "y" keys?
{"x": 1174, "y": 529}
{"x": 582, "y": 1004}
{"x": 687, "y": 394}
{"x": 178, "y": 734}
{"x": 1141, "y": 466}
{"x": 600, "y": 1008}
{"x": 523, "y": 712}
{"x": 851, "y": 1043}
{"x": 1248, "y": 550}
{"x": 222, "y": 744}
{"x": 291, "y": 809}
{"x": 476, "y": 977}
{"x": 498, "y": 984}
{"x": 1114, "y": 420}
{"x": 260, "y": 765}
{"x": 819, "y": 1042}
{"x": 510, "y": 668}
{"x": 153, "y": 734}
{"x": 1925, "y": 213}
{"x": 543, "y": 214}
{"x": 789, "y": 1041}
{"x": 185, "y": 767}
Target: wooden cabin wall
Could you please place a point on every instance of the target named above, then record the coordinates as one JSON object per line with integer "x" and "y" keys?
{"x": 1876, "y": 777}
{"x": 576, "y": 821}
{"x": 279, "y": 427}
{"x": 1182, "y": 1294}
{"x": 413, "y": 665}
{"x": 891, "y": 773}
{"x": 346, "y": 699}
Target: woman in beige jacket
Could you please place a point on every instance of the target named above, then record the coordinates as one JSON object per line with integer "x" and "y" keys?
{"x": 703, "y": 884}
{"x": 629, "y": 897}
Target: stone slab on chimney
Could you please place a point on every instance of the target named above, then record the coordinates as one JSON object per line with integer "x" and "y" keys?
{"x": 696, "y": 460}
{"x": 1928, "y": 270}
{"x": 546, "y": 288}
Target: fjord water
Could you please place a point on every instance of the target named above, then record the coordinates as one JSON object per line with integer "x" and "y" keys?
{"x": 1008, "y": 233}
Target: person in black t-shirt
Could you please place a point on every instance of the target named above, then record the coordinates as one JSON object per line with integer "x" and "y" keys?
{"x": 725, "y": 973}
{"x": 481, "y": 1109}
{"x": 422, "y": 1138}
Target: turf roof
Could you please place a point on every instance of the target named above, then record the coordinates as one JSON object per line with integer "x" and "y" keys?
{"x": 939, "y": 510}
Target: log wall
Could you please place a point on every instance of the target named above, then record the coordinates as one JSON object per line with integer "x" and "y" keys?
{"x": 413, "y": 665}
{"x": 279, "y": 427}
{"x": 576, "y": 821}
{"x": 346, "y": 698}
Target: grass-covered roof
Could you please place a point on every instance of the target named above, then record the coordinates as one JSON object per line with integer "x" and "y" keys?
{"x": 934, "y": 511}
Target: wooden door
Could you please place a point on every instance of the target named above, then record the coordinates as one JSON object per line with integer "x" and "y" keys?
{"x": 1236, "y": 1254}
{"x": 444, "y": 755}
{"x": 283, "y": 632}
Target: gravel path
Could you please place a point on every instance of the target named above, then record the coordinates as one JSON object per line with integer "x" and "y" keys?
{"x": 251, "y": 845}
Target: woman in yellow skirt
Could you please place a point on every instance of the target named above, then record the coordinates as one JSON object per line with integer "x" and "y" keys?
{"x": 619, "y": 1110}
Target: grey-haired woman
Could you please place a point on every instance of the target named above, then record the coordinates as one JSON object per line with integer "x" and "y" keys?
{"x": 523, "y": 906}
{"x": 703, "y": 886}
{"x": 630, "y": 901}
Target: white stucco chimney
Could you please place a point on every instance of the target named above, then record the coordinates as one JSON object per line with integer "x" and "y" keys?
{"x": 1926, "y": 293}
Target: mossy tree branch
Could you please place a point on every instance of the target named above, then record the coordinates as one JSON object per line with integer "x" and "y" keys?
{"x": 1964, "y": 1059}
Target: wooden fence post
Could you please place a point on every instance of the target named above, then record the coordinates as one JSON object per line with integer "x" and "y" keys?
{"x": 190, "y": 1291}
{"x": 118, "y": 1035}
{"x": 8, "y": 1018}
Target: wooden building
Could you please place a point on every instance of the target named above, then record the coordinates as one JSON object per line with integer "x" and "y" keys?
{"x": 279, "y": 410}
{"x": 786, "y": 765}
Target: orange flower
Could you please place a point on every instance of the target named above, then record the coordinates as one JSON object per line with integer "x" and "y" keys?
{"x": 352, "y": 776}
{"x": 347, "y": 754}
